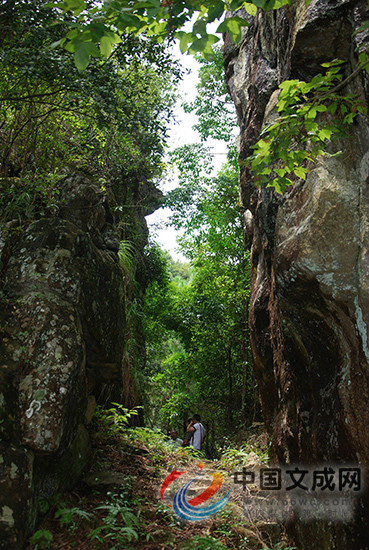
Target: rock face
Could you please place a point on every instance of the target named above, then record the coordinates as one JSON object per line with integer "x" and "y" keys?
{"x": 64, "y": 334}
{"x": 309, "y": 313}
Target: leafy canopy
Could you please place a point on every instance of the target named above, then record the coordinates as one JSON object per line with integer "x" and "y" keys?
{"x": 299, "y": 135}
{"x": 110, "y": 119}
{"x": 99, "y": 26}
{"x": 213, "y": 104}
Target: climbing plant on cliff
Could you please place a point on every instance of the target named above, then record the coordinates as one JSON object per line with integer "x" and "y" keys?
{"x": 310, "y": 115}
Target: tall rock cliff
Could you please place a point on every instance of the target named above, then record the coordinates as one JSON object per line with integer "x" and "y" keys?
{"x": 65, "y": 334}
{"x": 309, "y": 314}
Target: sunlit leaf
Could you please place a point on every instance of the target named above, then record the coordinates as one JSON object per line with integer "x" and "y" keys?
{"x": 300, "y": 172}
{"x": 251, "y": 9}
{"x": 233, "y": 26}
{"x": 107, "y": 42}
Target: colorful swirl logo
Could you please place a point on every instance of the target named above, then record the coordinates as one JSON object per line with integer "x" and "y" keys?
{"x": 188, "y": 509}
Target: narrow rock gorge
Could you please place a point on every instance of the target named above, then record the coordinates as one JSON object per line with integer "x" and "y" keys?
{"x": 309, "y": 255}
{"x": 73, "y": 275}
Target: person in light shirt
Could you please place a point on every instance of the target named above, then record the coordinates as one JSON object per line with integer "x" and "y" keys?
{"x": 175, "y": 440}
{"x": 198, "y": 432}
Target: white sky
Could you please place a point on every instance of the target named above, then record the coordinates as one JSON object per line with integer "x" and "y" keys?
{"x": 181, "y": 133}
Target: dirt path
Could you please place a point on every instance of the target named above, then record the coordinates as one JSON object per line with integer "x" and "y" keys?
{"x": 117, "y": 505}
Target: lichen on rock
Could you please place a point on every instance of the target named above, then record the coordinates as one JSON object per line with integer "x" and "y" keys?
{"x": 64, "y": 317}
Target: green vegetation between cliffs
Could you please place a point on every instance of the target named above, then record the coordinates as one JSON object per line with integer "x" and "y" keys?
{"x": 196, "y": 327}
{"x": 117, "y": 505}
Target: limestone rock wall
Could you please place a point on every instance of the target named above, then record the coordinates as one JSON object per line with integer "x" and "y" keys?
{"x": 309, "y": 312}
{"x": 64, "y": 335}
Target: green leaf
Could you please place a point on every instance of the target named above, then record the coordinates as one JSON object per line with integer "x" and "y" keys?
{"x": 83, "y": 52}
{"x": 364, "y": 57}
{"x": 311, "y": 113}
{"x": 333, "y": 63}
{"x": 199, "y": 27}
{"x": 280, "y": 171}
{"x": 184, "y": 39}
{"x": 57, "y": 43}
{"x": 333, "y": 107}
{"x": 333, "y": 72}
{"x": 263, "y": 145}
{"x": 204, "y": 45}
{"x": 76, "y": 6}
{"x": 266, "y": 172}
{"x": 288, "y": 85}
{"x": 251, "y": 9}
{"x": 159, "y": 28}
{"x": 349, "y": 118}
{"x": 325, "y": 133}
{"x": 147, "y": 5}
{"x": 278, "y": 185}
{"x": 215, "y": 12}
{"x": 362, "y": 108}
{"x": 236, "y": 4}
{"x": 107, "y": 42}
{"x": 233, "y": 26}
{"x": 300, "y": 172}
{"x": 82, "y": 56}
{"x": 268, "y": 5}
{"x": 318, "y": 80}
{"x": 127, "y": 21}
{"x": 281, "y": 105}
{"x": 73, "y": 33}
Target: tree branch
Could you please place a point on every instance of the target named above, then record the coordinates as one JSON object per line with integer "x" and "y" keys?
{"x": 30, "y": 97}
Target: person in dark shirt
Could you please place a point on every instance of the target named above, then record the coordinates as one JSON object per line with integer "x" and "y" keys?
{"x": 187, "y": 435}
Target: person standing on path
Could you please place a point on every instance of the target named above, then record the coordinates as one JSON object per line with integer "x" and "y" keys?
{"x": 198, "y": 432}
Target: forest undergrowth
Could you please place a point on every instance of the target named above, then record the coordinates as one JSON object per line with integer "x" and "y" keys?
{"x": 117, "y": 504}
